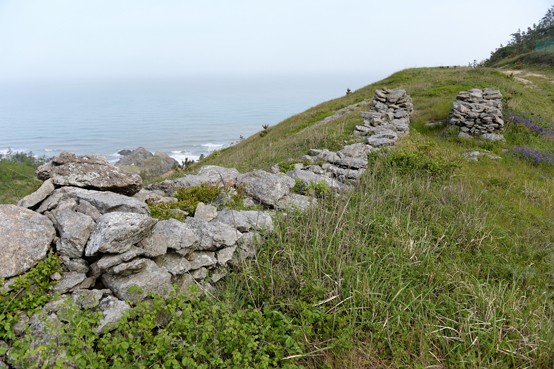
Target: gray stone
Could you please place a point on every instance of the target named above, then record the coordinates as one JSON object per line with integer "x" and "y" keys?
{"x": 309, "y": 177}
{"x": 493, "y": 137}
{"x": 219, "y": 274}
{"x": 379, "y": 141}
{"x": 86, "y": 283}
{"x": 259, "y": 220}
{"x": 247, "y": 247}
{"x": 89, "y": 171}
{"x": 57, "y": 303}
{"x": 112, "y": 311}
{"x": 218, "y": 174}
{"x": 170, "y": 234}
{"x": 358, "y": 150}
{"x": 206, "y": 212}
{"x": 86, "y": 208}
{"x": 213, "y": 235}
{"x": 145, "y": 195}
{"x": 36, "y": 197}
{"x": 117, "y": 232}
{"x": 25, "y": 237}
{"x": 200, "y": 274}
{"x": 199, "y": 259}
{"x": 464, "y": 135}
{"x": 69, "y": 281}
{"x": 74, "y": 230}
{"x": 21, "y": 324}
{"x": 265, "y": 187}
{"x": 350, "y": 162}
{"x": 235, "y": 219}
{"x": 225, "y": 255}
{"x": 75, "y": 265}
{"x": 86, "y": 298}
{"x": 152, "y": 279}
{"x": 296, "y": 201}
{"x": 126, "y": 269}
{"x": 174, "y": 263}
{"x": 186, "y": 285}
{"x": 109, "y": 261}
{"x": 104, "y": 202}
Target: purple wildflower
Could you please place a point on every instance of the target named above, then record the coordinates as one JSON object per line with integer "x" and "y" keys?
{"x": 519, "y": 118}
{"x": 536, "y": 157}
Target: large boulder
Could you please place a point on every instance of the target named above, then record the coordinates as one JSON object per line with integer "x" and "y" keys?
{"x": 116, "y": 232}
{"x": 25, "y": 237}
{"x": 89, "y": 171}
{"x": 265, "y": 187}
{"x": 104, "y": 202}
{"x": 151, "y": 279}
{"x": 154, "y": 164}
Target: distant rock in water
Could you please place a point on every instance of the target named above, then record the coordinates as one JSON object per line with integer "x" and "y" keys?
{"x": 154, "y": 164}
{"x": 89, "y": 171}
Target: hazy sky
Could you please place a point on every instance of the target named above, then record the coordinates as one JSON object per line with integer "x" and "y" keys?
{"x": 90, "y": 39}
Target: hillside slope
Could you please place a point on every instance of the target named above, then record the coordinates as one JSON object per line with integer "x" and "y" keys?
{"x": 431, "y": 261}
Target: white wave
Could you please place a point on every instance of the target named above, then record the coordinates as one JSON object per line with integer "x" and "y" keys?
{"x": 211, "y": 145}
{"x": 182, "y": 157}
{"x": 49, "y": 150}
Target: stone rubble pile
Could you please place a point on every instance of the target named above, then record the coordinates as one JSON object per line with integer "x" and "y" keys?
{"x": 478, "y": 113}
{"x": 108, "y": 242}
{"x": 386, "y": 121}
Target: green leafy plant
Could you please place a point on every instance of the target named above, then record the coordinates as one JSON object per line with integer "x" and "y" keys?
{"x": 26, "y": 294}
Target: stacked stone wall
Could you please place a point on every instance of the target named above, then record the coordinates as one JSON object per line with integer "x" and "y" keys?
{"x": 478, "y": 113}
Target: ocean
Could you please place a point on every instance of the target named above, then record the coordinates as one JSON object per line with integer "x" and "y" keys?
{"x": 183, "y": 117}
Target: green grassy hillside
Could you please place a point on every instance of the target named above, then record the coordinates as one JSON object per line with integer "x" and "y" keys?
{"x": 431, "y": 261}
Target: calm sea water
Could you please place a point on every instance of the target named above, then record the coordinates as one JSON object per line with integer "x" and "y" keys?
{"x": 183, "y": 117}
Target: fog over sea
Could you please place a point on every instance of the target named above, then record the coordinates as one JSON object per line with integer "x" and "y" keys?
{"x": 183, "y": 117}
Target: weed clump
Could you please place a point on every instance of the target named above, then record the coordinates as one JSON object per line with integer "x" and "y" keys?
{"x": 189, "y": 198}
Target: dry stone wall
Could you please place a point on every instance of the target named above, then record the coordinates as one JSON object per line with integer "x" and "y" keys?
{"x": 387, "y": 120}
{"x": 478, "y": 113}
{"x": 108, "y": 242}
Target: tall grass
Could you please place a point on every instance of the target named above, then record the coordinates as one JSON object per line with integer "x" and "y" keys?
{"x": 406, "y": 270}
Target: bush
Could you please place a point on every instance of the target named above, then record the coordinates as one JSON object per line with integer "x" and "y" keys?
{"x": 27, "y": 294}
{"x": 177, "y": 333}
{"x": 419, "y": 154}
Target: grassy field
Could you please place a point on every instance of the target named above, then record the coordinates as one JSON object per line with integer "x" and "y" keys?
{"x": 431, "y": 262}
{"x": 17, "y": 177}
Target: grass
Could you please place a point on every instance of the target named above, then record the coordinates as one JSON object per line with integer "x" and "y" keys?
{"x": 17, "y": 177}
{"x": 431, "y": 261}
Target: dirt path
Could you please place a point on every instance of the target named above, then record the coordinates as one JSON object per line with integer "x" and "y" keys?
{"x": 519, "y": 74}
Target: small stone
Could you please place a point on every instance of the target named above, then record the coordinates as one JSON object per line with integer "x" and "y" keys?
{"x": 129, "y": 268}
{"x": 112, "y": 311}
{"x": 86, "y": 298}
{"x": 200, "y": 274}
{"x": 225, "y": 255}
{"x": 56, "y": 276}
{"x": 68, "y": 281}
{"x": 206, "y": 212}
{"x": 199, "y": 259}
{"x": 36, "y": 197}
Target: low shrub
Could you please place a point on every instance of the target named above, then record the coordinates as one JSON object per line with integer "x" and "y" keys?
{"x": 177, "y": 333}
{"x": 420, "y": 154}
{"x": 26, "y": 295}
